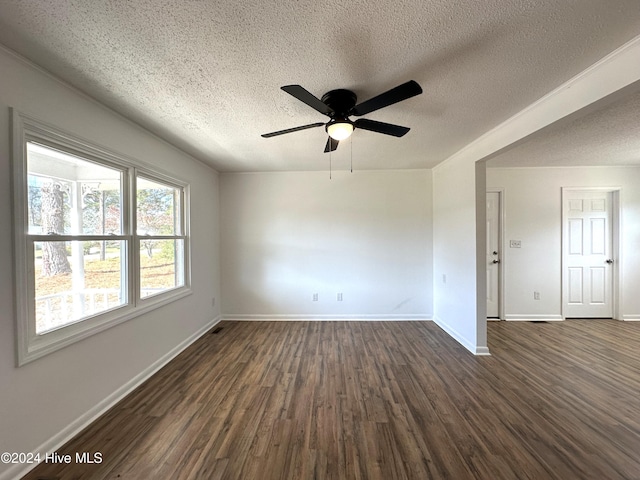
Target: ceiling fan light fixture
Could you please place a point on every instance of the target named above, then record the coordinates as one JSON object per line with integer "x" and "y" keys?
{"x": 340, "y": 130}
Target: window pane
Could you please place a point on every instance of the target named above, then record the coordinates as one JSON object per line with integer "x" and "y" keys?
{"x": 75, "y": 280}
{"x": 158, "y": 208}
{"x": 72, "y": 196}
{"x": 161, "y": 266}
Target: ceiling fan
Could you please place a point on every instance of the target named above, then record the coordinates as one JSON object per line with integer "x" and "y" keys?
{"x": 340, "y": 104}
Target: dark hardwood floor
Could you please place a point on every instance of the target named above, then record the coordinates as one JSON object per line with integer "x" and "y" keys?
{"x": 379, "y": 400}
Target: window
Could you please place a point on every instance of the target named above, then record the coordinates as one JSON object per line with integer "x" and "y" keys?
{"x": 160, "y": 235}
{"x": 99, "y": 238}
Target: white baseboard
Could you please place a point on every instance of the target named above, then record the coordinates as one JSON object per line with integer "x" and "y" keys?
{"x": 55, "y": 442}
{"x": 631, "y": 318}
{"x": 521, "y": 317}
{"x": 475, "y": 349}
{"x": 335, "y": 318}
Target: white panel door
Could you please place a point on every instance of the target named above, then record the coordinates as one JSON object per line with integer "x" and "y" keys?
{"x": 493, "y": 255}
{"x": 587, "y": 263}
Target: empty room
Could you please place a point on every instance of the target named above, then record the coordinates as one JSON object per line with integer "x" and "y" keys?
{"x": 302, "y": 240}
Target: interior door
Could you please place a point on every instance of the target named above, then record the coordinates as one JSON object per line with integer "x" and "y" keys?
{"x": 587, "y": 262}
{"x": 493, "y": 255}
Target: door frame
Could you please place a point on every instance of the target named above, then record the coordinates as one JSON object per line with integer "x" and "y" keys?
{"x": 501, "y": 249}
{"x": 616, "y": 246}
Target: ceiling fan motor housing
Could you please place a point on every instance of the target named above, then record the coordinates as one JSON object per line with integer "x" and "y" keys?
{"x": 341, "y": 101}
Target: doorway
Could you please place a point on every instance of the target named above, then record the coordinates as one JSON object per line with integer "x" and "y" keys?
{"x": 494, "y": 254}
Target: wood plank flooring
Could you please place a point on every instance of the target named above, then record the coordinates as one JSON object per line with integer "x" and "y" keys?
{"x": 379, "y": 400}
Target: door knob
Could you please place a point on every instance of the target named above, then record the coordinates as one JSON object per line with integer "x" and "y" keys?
{"x": 609, "y": 261}
{"x": 496, "y": 261}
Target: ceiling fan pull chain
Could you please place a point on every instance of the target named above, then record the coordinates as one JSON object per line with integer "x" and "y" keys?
{"x": 351, "y": 143}
{"x": 329, "y": 164}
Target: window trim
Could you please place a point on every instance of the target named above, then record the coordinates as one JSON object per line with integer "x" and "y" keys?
{"x": 29, "y": 345}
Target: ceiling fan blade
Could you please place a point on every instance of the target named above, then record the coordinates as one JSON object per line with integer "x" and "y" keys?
{"x": 381, "y": 127}
{"x": 395, "y": 95}
{"x": 290, "y": 130}
{"x": 304, "y": 96}
{"x": 331, "y": 145}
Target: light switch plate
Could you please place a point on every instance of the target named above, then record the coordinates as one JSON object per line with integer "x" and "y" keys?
{"x": 515, "y": 243}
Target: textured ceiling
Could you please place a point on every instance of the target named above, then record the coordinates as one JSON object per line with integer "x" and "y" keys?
{"x": 609, "y": 136}
{"x": 205, "y": 75}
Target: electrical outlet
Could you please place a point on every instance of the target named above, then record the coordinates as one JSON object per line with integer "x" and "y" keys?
{"x": 536, "y": 295}
{"x": 213, "y": 301}
{"x": 515, "y": 243}
{"x": 315, "y": 297}
{"x": 444, "y": 278}
{"x": 339, "y": 297}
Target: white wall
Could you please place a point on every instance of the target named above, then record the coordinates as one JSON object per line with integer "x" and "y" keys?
{"x": 455, "y": 282}
{"x": 42, "y": 402}
{"x": 533, "y": 213}
{"x": 367, "y": 235}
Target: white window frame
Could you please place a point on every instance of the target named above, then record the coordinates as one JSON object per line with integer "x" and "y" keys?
{"x": 29, "y": 344}
{"x": 183, "y": 227}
